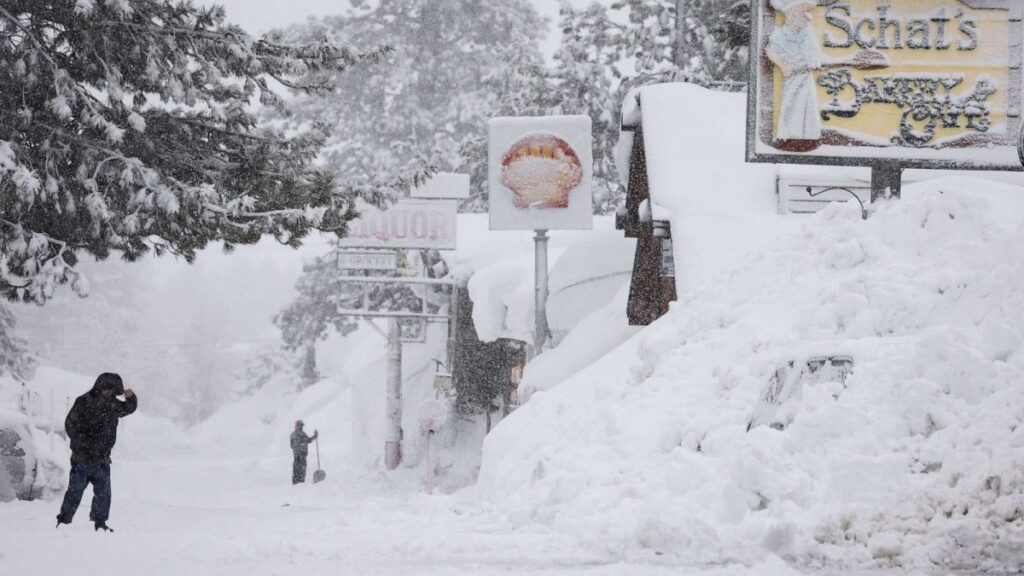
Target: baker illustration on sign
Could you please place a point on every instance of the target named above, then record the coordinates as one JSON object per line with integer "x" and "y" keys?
{"x": 794, "y": 49}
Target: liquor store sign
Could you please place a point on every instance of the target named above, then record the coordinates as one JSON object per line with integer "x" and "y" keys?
{"x": 416, "y": 224}
{"x": 926, "y": 83}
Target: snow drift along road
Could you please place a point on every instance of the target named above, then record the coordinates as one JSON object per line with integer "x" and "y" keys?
{"x": 917, "y": 461}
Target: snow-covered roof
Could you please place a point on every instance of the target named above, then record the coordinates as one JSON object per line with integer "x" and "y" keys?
{"x": 720, "y": 207}
{"x": 694, "y": 140}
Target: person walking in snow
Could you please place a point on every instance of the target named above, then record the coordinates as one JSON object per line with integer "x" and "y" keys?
{"x": 91, "y": 425}
{"x": 300, "y": 448}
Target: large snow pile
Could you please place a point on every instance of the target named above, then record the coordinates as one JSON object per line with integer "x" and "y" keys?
{"x": 586, "y": 277}
{"x": 917, "y": 460}
{"x": 593, "y": 337}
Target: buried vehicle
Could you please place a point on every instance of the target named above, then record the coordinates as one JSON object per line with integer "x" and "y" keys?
{"x": 33, "y": 457}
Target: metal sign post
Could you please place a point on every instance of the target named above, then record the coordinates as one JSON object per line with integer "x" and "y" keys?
{"x": 393, "y": 432}
{"x": 540, "y": 289}
{"x": 369, "y": 244}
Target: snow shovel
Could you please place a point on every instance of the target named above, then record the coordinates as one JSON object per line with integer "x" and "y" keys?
{"x": 319, "y": 475}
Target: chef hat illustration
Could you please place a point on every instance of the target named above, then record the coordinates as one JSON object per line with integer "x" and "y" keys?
{"x": 784, "y": 5}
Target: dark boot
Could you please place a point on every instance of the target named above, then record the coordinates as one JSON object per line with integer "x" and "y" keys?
{"x": 103, "y": 526}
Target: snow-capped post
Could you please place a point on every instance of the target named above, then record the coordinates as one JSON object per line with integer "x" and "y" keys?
{"x": 540, "y": 179}
{"x": 887, "y": 84}
{"x": 393, "y": 433}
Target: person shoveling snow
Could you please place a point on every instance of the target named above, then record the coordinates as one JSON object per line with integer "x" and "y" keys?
{"x": 300, "y": 449}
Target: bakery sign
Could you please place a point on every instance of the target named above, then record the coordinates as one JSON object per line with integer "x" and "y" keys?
{"x": 923, "y": 83}
{"x": 540, "y": 173}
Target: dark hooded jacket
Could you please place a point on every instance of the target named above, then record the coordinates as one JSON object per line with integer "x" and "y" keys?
{"x": 92, "y": 422}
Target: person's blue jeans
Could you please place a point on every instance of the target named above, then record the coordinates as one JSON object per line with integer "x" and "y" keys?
{"x": 83, "y": 474}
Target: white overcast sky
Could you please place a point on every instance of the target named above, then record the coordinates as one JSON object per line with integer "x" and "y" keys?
{"x": 258, "y": 16}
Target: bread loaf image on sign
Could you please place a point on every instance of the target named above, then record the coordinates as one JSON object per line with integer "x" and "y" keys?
{"x": 541, "y": 170}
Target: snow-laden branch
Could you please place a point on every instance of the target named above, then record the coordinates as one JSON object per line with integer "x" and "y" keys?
{"x": 138, "y": 133}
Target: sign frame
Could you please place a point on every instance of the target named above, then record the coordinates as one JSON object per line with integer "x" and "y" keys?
{"x": 886, "y": 167}
{"x": 372, "y": 260}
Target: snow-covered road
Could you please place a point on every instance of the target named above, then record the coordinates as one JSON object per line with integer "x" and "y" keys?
{"x": 189, "y": 514}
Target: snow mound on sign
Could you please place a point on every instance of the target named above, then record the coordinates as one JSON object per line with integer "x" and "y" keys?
{"x": 917, "y": 461}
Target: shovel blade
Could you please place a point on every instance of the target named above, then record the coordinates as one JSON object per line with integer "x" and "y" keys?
{"x": 319, "y": 476}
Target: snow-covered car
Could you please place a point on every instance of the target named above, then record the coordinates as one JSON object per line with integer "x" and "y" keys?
{"x": 34, "y": 451}
{"x": 32, "y": 458}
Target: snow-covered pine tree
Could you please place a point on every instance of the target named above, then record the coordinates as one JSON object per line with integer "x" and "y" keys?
{"x": 308, "y": 318}
{"x": 323, "y": 295}
{"x": 699, "y": 41}
{"x": 264, "y": 364}
{"x": 15, "y": 357}
{"x": 522, "y": 87}
{"x": 586, "y": 79}
{"x": 603, "y": 55}
{"x": 441, "y": 84}
{"x": 130, "y": 127}
{"x": 114, "y": 317}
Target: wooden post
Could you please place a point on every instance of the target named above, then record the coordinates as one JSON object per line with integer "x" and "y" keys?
{"x": 886, "y": 181}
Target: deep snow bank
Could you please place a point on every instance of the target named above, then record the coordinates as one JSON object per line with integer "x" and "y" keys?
{"x": 918, "y": 460}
